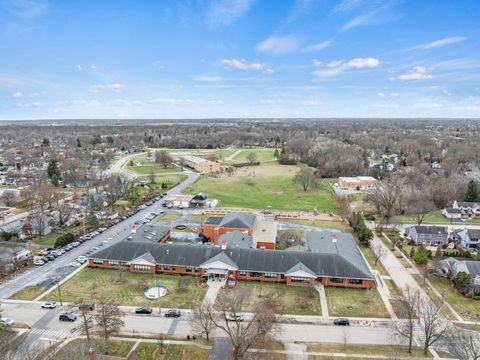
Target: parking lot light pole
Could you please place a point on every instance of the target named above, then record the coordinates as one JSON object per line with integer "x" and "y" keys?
{"x": 59, "y": 293}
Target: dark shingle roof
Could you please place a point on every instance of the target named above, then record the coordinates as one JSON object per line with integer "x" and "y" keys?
{"x": 453, "y": 210}
{"x": 473, "y": 267}
{"x": 322, "y": 264}
{"x": 214, "y": 220}
{"x": 237, "y": 239}
{"x": 431, "y": 230}
{"x": 300, "y": 267}
{"x": 238, "y": 220}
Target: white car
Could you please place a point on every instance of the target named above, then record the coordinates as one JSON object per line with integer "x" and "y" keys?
{"x": 105, "y": 241}
{"x": 49, "y": 305}
{"x": 75, "y": 264}
{"x": 233, "y": 317}
{"x": 81, "y": 258}
{"x": 7, "y": 321}
{"x": 39, "y": 262}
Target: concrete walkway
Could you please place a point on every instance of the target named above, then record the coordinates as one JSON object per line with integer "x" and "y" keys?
{"x": 296, "y": 350}
{"x": 213, "y": 289}
{"x": 323, "y": 300}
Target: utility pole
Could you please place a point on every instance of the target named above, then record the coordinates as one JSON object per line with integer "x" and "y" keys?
{"x": 59, "y": 293}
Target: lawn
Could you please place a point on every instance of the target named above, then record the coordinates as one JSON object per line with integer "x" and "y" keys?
{"x": 148, "y": 166}
{"x": 29, "y": 292}
{"x": 269, "y": 186}
{"x": 466, "y": 307}
{"x": 117, "y": 348}
{"x": 152, "y": 351}
{"x": 170, "y": 216}
{"x": 262, "y": 155}
{"x": 328, "y": 224}
{"x": 445, "y": 311}
{"x": 47, "y": 240}
{"x": 186, "y": 294}
{"x": 434, "y": 217}
{"x": 370, "y": 256}
{"x": 355, "y": 303}
{"x": 297, "y": 300}
{"x": 391, "y": 351}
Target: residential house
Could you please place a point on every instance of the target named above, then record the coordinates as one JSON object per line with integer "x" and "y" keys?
{"x": 452, "y": 213}
{"x": 468, "y": 238}
{"x": 333, "y": 263}
{"x": 468, "y": 209}
{"x": 452, "y": 267}
{"x": 428, "y": 235}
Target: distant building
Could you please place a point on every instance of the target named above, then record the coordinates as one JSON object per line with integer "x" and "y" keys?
{"x": 468, "y": 238}
{"x": 428, "y": 235}
{"x": 357, "y": 183}
{"x": 199, "y": 164}
{"x": 452, "y": 267}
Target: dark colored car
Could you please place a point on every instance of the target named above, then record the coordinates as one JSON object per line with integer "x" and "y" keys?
{"x": 173, "y": 313}
{"x": 50, "y": 257}
{"x": 143, "y": 310}
{"x": 86, "y": 306}
{"x": 341, "y": 322}
{"x": 67, "y": 317}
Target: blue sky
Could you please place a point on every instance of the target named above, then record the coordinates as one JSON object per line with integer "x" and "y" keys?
{"x": 239, "y": 58}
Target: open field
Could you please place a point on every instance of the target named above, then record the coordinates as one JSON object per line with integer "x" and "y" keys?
{"x": 340, "y": 225}
{"x": 445, "y": 311}
{"x": 466, "y": 307}
{"x": 29, "y": 292}
{"x": 393, "y": 351}
{"x": 117, "y": 348}
{"x": 296, "y": 300}
{"x": 127, "y": 288}
{"x": 151, "y": 351}
{"x": 269, "y": 186}
{"x": 355, "y": 303}
{"x": 434, "y": 217}
{"x": 170, "y": 216}
{"x": 146, "y": 166}
{"x": 261, "y": 154}
{"x": 47, "y": 240}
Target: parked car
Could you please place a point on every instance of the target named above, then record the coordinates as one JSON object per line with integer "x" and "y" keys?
{"x": 81, "y": 259}
{"x": 7, "y": 321}
{"x": 75, "y": 264}
{"x": 39, "y": 262}
{"x": 86, "y": 306}
{"x": 342, "y": 322}
{"x": 49, "y": 305}
{"x": 50, "y": 257}
{"x": 233, "y": 317}
{"x": 173, "y": 313}
{"x": 143, "y": 310}
{"x": 67, "y": 317}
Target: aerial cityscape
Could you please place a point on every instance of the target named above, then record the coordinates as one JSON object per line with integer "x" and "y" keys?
{"x": 239, "y": 179}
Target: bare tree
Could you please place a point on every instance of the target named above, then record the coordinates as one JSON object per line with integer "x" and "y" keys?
{"x": 258, "y": 330}
{"x": 434, "y": 324}
{"x": 345, "y": 203}
{"x": 306, "y": 178}
{"x": 9, "y": 197}
{"x": 64, "y": 214}
{"x": 86, "y": 324}
{"x": 464, "y": 344}
{"x": 163, "y": 158}
{"x": 252, "y": 158}
{"x": 379, "y": 250}
{"x": 151, "y": 176}
{"x": 203, "y": 319}
{"x": 387, "y": 199}
{"x": 39, "y": 223}
{"x": 108, "y": 316}
{"x": 409, "y": 300}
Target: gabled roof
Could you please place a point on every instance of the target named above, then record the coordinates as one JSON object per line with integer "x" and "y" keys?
{"x": 300, "y": 248}
{"x": 221, "y": 257}
{"x": 430, "y": 230}
{"x": 239, "y": 220}
{"x": 300, "y": 270}
{"x": 147, "y": 257}
{"x": 237, "y": 239}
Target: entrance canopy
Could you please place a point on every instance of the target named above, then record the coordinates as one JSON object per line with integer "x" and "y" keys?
{"x": 217, "y": 272}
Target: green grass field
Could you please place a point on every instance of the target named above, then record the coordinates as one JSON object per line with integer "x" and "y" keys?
{"x": 340, "y": 225}
{"x": 129, "y": 291}
{"x": 117, "y": 348}
{"x": 393, "y": 351}
{"x": 355, "y": 303}
{"x": 269, "y": 186}
{"x": 262, "y": 154}
{"x": 47, "y": 240}
{"x": 170, "y": 216}
{"x": 148, "y": 166}
{"x": 296, "y": 300}
{"x": 434, "y": 217}
{"x": 29, "y": 292}
{"x": 151, "y": 351}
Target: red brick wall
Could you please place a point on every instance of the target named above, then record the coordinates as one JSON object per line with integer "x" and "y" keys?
{"x": 266, "y": 245}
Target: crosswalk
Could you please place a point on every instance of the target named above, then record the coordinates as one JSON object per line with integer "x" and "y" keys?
{"x": 52, "y": 334}
{"x": 418, "y": 333}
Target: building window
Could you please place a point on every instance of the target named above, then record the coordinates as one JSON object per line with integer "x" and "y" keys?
{"x": 256, "y": 274}
{"x": 300, "y": 279}
{"x": 173, "y": 268}
{"x": 197, "y": 269}
{"x": 336, "y": 280}
{"x": 188, "y": 269}
{"x": 243, "y": 273}
{"x": 113, "y": 262}
{"x": 355, "y": 281}
{"x": 166, "y": 267}
{"x": 270, "y": 275}
{"x": 97, "y": 261}
{"x": 141, "y": 267}
{"x": 123, "y": 263}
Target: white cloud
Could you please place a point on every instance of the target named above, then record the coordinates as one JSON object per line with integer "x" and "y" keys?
{"x": 28, "y": 8}
{"x": 81, "y": 102}
{"x": 364, "y": 19}
{"x": 336, "y": 67}
{"x": 269, "y": 101}
{"x": 29, "y": 105}
{"x": 17, "y": 95}
{"x": 417, "y": 73}
{"x": 381, "y": 94}
{"x": 243, "y": 65}
{"x": 278, "y": 45}
{"x": 116, "y": 87}
{"x": 443, "y": 42}
{"x": 311, "y": 102}
{"x": 170, "y": 101}
{"x": 226, "y": 12}
{"x": 317, "y": 47}
{"x": 208, "y": 78}
{"x": 79, "y": 67}
{"x": 346, "y": 5}
{"x": 93, "y": 67}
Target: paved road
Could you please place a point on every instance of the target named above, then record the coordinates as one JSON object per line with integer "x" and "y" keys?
{"x": 45, "y": 325}
{"x": 60, "y": 267}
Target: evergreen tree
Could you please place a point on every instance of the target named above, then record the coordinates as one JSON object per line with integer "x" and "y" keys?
{"x": 79, "y": 144}
{"x": 45, "y": 142}
{"x": 472, "y": 193}
{"x": 366, "y": 161}
{"x": 53, "y": 171}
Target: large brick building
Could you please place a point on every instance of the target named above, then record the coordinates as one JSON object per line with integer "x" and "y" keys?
{"x": 201, "y": 165}
{"x": 330, "y": 259}
{"x": 214, "y": 227}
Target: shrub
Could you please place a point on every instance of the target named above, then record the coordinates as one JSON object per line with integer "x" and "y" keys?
{"x": 422, "y": 255}
{"x": 369, "y": 217}
{"x": 64, "y": 239}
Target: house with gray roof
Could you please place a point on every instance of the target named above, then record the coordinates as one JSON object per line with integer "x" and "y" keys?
{"x": 339, "y": 264}
{"x": 452, "y": 267}
{"x": 468, "y": 238}
{"x": 428, "y": 235}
